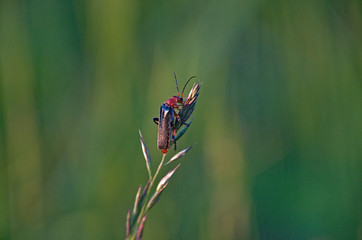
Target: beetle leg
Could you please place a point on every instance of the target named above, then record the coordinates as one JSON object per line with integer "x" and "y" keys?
{"x": 173, "y": 131}
{"x": 187, "y": 124}
{"x": 179, "y": 119}
{"x": 156, "y": 120}
{"x": 173, "y": 137}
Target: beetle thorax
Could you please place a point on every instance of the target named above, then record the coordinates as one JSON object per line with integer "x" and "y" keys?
{"x": 172, "y": 102}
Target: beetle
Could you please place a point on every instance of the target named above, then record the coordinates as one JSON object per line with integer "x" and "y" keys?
{"x": 168, "y": 117}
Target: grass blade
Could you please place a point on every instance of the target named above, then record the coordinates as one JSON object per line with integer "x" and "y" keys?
{"x": 166, "y": 178}
{"x": 146, "y": 154}
{"x": 178, "y": 155}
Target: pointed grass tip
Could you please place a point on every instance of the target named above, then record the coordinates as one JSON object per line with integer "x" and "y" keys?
{"x": 155, "y": 197}
{"x": 146, "y": 154}
{"x": 178, "y": 155}
{"x": 128, "y": 223}
{"x": 166, "y": 178}
{"x": 137, "y": 200}
{"x": 194, "y": 93}
{"x": 143, "y": 195}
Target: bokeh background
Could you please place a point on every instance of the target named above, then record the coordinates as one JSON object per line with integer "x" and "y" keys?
{"x": 277, "y": 125}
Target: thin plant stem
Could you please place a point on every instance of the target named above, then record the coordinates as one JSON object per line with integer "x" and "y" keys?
{"x": 144, "y": 208}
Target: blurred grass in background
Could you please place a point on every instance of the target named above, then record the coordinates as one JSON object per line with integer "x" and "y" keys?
{"x": 278, "y": 122}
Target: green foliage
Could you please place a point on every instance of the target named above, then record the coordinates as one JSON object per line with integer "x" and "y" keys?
{"x": 278, "y": 126}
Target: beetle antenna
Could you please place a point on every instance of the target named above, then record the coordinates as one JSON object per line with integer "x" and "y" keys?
{"x": 186, "y": 85}
{"x": 178, "y": 92}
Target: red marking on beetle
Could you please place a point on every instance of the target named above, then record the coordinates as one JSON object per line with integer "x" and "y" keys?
{"x": 172, "y": 102}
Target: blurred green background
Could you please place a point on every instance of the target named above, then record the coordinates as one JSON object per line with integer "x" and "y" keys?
{"x": 277, "y": 125}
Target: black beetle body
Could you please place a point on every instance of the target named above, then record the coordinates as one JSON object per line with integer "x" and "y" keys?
{"x": 165, "y": 127}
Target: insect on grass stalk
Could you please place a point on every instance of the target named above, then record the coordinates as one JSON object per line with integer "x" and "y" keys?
{"x": 144, "y": 200}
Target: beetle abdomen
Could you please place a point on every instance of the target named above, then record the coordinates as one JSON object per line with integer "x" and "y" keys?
{"x": 164, "y": 127}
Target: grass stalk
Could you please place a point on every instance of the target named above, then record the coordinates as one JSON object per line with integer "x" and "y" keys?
{"x": 144, "y": 201}
{"x": 145, "y": 207}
